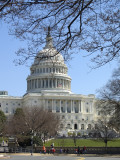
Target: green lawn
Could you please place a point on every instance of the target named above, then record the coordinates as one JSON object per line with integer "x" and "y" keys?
{"x": 82, "y": 142}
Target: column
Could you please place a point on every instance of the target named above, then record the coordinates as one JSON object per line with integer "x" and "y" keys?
{"x": 79, "y": 106}
{"x": 52, "y": 106}
{"x": 47, "y": 104}
{"x": 48, "y": 83}
{"x": 44, "y": 83}
{"x": 52, "y": 82}
{"x": 55, "y": 83}
{"x": 71, "y": 107}
{"x": 82, "y": 106}
{"x": 27, "y": 85}
{"x": 63, "y": 83}
{"x": 91, "y": 107}
{"x": 60, "y": 106}
{"x": 30, "y": 84}
{"x": 66, "y": 106}
{"x": 37, "y": 83}
{"x": 40, "y": 83}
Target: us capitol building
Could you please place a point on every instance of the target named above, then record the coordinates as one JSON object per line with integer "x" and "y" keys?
{"x": 49, "y": 86}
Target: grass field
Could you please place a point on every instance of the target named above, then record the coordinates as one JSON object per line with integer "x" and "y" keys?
{"x": 82, "y": 142}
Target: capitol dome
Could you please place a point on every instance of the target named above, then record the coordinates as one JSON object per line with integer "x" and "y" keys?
{"x": 48, "y": 72}
{"x": 49, "y": 53}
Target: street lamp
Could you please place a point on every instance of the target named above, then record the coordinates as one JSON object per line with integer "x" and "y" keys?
{"x": 32, "y": 143}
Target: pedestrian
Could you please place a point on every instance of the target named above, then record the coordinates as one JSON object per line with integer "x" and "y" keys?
{"x": 78, "y": 150}
{"x": 84, "y": 149}
{"x": 53, "y": 150}
{"x": 64, "y": 150}
{"x": 44, "y": 149}
{"x": 60, "y": 150}
{"x": 67, "y": 151}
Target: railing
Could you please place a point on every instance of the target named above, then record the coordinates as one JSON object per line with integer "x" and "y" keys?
{"x": 65, "y": 150}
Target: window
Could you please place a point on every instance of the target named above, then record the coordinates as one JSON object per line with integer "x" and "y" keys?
{"x": 82, "y": 126}
{"x": 87, "y": 110}
{"x": 47, "y": 70}
{"x": 57, "y": 109}
{"x": 62, "y": 109}
{"x": 53, "y": 69}
{"x": 61, "y": 125}
{"x": 0, "y": 104}
{"x": 50, "y": 108}
{"x": 13, "y": 111}
{"x": 63, "y": 117}
{"x": 6, "y": 110}
{"x": 89, "y": 126}
{"x": 75, "y": 126}
{"x": 98, "y": 113}
{"x": 76, "y": 109}
{"x": 68, "y": 126}
{"x": 37, "y": 70}
{"x": 43, "y": 70}
{"x": 35, "y": 83}
{"x": 96, "y": 126}
{"x": 40, "y": 70}
{"x": 68, "y": 110}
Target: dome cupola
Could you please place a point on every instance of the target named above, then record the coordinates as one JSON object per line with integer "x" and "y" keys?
{"x": 48, "y": 72}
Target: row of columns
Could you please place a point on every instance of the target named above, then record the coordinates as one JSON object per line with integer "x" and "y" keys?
{"x": 48, "y": 83}
{"x": 79, "y": 126}
{"x": 66, "y": 107}
{"x": 49, "y": 70}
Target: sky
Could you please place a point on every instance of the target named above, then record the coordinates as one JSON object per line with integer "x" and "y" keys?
{"x": 13, "y": 78}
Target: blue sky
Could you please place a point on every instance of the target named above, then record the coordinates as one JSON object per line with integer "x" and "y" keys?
{"x": 13, "y": 78}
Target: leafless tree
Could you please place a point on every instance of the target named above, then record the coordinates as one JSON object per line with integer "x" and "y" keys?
{"x": 91, "y": 25}
{"x": 103, "y": 128}
{"x": 33, "y": 120}
{"x": 2, "y": 122}
{"x": 109, "y": 99}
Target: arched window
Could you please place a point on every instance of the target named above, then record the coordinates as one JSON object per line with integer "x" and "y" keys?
{"x": 75, "y": 126}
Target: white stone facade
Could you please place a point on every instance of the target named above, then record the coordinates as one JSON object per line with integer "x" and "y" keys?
{"x": 49, "y": 86}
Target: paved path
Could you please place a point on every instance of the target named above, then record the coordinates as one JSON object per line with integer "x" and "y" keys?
{"x": 57, "y": 157}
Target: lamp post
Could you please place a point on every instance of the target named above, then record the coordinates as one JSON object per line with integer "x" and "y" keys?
{"x": 32, "y": 143}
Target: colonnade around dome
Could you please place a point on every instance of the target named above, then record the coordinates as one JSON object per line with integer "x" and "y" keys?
{"x": 48, "y": 83}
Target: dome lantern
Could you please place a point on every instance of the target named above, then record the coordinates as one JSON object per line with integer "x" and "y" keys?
{"x": 49, "y": 40}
